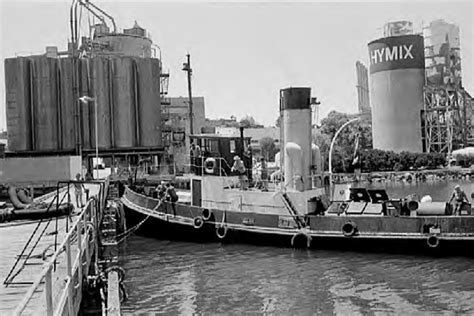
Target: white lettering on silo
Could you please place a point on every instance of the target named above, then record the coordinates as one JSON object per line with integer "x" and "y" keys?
{"x": 408, "y": 51}
{"x": 389, "y": 54}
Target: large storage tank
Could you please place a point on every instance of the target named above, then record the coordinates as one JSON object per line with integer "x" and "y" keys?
{"x": 100, "y": 69}
{"x": 17, "y": 92}
{"x": 124, "y": 109}
{"x": 296, "y": 114}
{"x": 67, "y": 104}
{"x": 397, "y": 79}
{"x": 45, "y": 103}
{"x": 149, "y": 109}
{"x": 85, "y": 116}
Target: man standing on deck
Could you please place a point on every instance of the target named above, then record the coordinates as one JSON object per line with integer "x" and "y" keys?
{"x": 78, "y": 188}
{"x": 459, "y": 199}
{"x": 239, "y": 167}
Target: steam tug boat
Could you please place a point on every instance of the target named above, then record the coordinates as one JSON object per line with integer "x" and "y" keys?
{"x": 295, "y": 212}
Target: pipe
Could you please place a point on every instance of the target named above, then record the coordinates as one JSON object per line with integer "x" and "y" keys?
{"x": 104, "y": 13}
{"x": 60, "y": 141}
{"x": 137, "y": 100}
{"x": 94, "y": 13}
{"x": 14, "y": 198}
{"x": 75, "y": 26}
{"x": 110, "y": 71}
{"x": 32, "y": 104}
{"x": 71, "y": 21}
{"x": 23, "y": 196}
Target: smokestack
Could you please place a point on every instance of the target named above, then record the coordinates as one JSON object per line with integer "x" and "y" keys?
{"x": 295, "y": 107}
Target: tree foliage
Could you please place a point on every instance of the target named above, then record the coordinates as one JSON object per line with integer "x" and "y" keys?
{"x": 249, "y": 122}
{"x": 344, "y": 147}
{"x": 268, "y": 147}
{"x": 380, "y": 160}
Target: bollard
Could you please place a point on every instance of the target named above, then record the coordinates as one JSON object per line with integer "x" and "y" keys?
{"x": 113, "y": 295}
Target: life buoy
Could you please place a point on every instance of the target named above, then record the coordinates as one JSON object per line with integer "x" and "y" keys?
{"x": 349, "y": 229}
{"x": 298, "y": 240}
{"x": 221, "y": 231}
{"x": 198, "y": 222}
{"x": 209, "y": 165}
{"x": 206, "y": 214}
{"x": 432, "y": 241}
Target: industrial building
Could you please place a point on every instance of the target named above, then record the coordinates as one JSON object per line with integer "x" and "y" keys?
{"x": 176, "y": 128}
{"x": 117, "y": 75}
{"x": 417, "y": 100}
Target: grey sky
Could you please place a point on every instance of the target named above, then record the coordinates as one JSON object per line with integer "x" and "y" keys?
{"x": 243, "y": 53}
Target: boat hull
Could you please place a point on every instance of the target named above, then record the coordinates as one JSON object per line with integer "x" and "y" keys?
{"x": 177, "y": 222}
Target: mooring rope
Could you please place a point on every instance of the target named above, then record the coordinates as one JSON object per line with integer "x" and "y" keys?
{"x": 121, "y": 237}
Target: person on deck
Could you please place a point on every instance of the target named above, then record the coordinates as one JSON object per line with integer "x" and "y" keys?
{"x": 78, "y": 188}
{"x": 171, "y": 194}
{"x": 263, "y": 174}
{"x": 239, "y": 167}
{"x": 195, "y": 156}
{"x": 459, "y": 198}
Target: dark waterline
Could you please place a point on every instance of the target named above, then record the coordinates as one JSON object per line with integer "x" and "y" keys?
{"x": 186, "y": 278}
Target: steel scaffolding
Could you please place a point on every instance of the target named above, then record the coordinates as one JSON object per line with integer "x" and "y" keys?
{"x": 446, "y": 119}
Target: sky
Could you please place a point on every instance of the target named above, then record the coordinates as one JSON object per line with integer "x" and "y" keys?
{"x": 243, "y": 53}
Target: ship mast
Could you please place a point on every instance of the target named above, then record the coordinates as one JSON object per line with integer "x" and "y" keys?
{"x": 187, "y": 68}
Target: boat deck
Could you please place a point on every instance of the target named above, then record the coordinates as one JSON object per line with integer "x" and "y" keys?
{"x": 14, "y": 236}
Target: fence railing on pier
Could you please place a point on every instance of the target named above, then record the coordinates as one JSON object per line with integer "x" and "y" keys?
{"x": 79, "y": 245}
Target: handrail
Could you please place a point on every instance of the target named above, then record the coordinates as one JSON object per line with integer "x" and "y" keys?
{"x": 46, "y": 273}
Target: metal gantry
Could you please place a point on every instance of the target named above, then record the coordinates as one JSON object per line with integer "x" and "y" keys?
{"x": 447, "y": 119}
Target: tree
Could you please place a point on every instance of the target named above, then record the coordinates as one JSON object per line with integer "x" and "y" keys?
{"x": 267, "y": 144}
{"x": 345, "y": 143}
{"x": 248, "y": 122}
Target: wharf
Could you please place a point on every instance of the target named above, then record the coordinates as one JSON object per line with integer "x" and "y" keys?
{"x": 36, "y": 285}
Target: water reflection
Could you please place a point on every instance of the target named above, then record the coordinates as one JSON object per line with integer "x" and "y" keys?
{"x": 188, "y": 278}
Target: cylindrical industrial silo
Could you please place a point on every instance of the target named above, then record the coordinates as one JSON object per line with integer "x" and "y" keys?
{"x": 18, "y": 103}
{"x": 45, "y": 103}
{"x": 67, "y": 104}
{"x": 397, "y": 78}
{"x": 84, "y": 83}
{"x": 149, "y": 106}
{"x": 124, "y": 109}
{"x": 100, "y": 86}
{"x": 296, "y": 114}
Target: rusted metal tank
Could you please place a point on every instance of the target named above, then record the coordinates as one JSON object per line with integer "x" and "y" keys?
{"x": 124, "y": 100}
{"x": 18, "y": 104}
{"x": 397, "y": 77}
{"x": 149, "y": 106}
{"x": 67, "y": 104}
{"x": 45, "y": 103}
{"x": 100, "y": 83}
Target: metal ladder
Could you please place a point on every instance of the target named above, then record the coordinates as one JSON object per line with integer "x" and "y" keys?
{"x": 292, "y": 210}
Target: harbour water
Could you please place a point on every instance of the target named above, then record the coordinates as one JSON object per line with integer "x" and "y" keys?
{"x": 187, "y": 278}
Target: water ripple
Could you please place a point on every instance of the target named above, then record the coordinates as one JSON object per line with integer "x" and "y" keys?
{"x": 189, "y": 278}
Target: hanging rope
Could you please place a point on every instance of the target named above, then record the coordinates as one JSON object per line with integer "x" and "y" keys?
{"x": 121, "y": 237}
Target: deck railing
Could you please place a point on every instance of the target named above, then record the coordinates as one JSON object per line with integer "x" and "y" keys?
{"x": 83, "y": 232}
